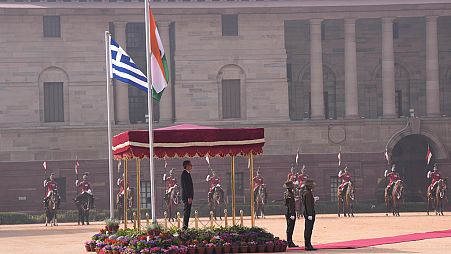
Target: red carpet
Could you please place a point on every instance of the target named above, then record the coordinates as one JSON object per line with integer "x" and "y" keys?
{"x": 354, "y": 244}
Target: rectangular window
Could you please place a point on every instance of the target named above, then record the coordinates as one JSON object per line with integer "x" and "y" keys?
{"x": 138, "y": 106}
{"x": 61, "y": 181}
{"x": 323, "y": 31}
{"x": 395, "y": 30}
{"x": 145, "y": 194}
{"x": 334, "y": 183}
{"x": 231, "y": 98}
{"x": 135, "y": 36}
{"x": 239, "y": 183}
{"x": 51, "y": 26}
{"x": 229, "y": 25}
{"x": 53, "y": 102}
{"x": 289, "y": 78}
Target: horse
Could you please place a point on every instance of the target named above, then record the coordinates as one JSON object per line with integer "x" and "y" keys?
{"x": 51, "y": 208}
{"x": 120, "y": 205}
{"x": 83, "y": 203}
{"x": 260, "y": 200}
{"x": 216, "y": 200}
{"x": 437, "y": 195}
{"x": 298, "y": 202}
{"x": 172, "y": 201}
{"x": 393, "y": 198}
{"x": 346, "y": 201}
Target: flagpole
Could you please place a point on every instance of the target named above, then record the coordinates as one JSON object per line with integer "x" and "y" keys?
{"x": 110, "y": 156}
{"x": 150, "y": 113}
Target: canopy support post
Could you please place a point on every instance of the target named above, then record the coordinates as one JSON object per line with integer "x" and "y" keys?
{"x": 233, "y": 191}
{"x": 251, "y": 174}
{"x": 138, "y": 192}
{"x": 125, "y": 192}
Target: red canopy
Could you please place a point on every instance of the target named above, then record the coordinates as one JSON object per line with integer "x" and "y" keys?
{"x": 188, "y": 140}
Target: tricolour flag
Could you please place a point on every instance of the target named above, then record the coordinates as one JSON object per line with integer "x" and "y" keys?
{"x": 158, "y": 64}
{"x": 44, "y": 164}
{"x": 387, "y": 158}
{"x": 428, "y": 155}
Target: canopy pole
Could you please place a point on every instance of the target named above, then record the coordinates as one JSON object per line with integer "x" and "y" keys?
{"x": 125, "y": 192}
{"x": 233, "y": 191}
{"x": 251, "y": 174}
{"x": 138, "y": 191}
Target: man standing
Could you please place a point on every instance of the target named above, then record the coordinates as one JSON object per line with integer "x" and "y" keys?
{"x": 187, "y": 191}
{"x": 309, "y": 213}
{"x": 290, "y": 215}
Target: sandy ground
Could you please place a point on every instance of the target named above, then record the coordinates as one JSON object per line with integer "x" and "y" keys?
{"x": 69, "y": 238}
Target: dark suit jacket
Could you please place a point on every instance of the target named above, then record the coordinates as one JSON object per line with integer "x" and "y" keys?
{"x": 289, "y": 202}
{"x": 309, "y": 203}
{"x": 187, "y": 186}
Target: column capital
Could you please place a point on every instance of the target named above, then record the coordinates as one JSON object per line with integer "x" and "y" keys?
{"x": 316, "y": 21}
{"x": 431, "y": 18}
{"x": 388, "y": 19}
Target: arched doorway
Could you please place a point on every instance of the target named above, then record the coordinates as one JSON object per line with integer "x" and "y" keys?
{"x": 409, "y": 155}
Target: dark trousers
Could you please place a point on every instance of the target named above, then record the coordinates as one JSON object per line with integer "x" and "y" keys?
{"x": 308, "y": 231}
{"x": 290, "y": 227}
{"x": 186, "y": 215}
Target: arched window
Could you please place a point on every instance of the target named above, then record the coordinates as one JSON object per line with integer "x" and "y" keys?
{"x": 231, "y": 99}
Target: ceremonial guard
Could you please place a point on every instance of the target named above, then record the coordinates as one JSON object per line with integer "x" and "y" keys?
{"x": 213, "y": 180}
{"x": 258, "y": 182}
{"x": 51, "y": 186}
{"x": 170, "y": 182}
{"x": 435, "y": 176}
{"x": 345, "y": 178}
{"x": 302, "y": 177}
{"x": 393, "y": 177}
{"x": 85, "y": 187}
{"x": 290, "y": 214}
{"x": 292, "y": 176}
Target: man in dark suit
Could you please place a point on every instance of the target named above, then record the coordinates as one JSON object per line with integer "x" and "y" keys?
{"x": 187, "y": 191}
{"x": 290, "y": 215}
{"x": 309, "y": 213}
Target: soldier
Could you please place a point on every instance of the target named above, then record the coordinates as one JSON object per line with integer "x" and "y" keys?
{"x": 51, "y": 186}
{"x": 290, "y": 214}
{"x": 436, "y": 176}
{"x": 393, "y": 177}
{"x": 345, "y": 178}
{"x": 120, "y": 183}
{"x": 170, "y": 182}
{"x": 85, "y": 187}
{"x": 213, "y": 180}
{"x": 292, "y": 176}
{"x": 302, "y": 177}
{"x": 309, "y": 213}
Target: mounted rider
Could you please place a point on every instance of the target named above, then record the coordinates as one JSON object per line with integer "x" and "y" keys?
{"x": 435, "y": 176}
{"x": 302, "y": 177}
{"x": 170, "y": 183}
{"x": 121, "y": 184}
{"x": 214, "y": 181}
{"x": 345, "y": 177}
{"x": 258, "y": 182}
{"x": 393, "y": 178}
{"x": 51, "y": 186}
{"x": 84, "y": 187}
{"x": 293, "y": 175}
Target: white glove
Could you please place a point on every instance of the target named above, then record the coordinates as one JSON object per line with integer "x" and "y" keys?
{"x": 310, "y": 218}
{"x": 292, "y": 217}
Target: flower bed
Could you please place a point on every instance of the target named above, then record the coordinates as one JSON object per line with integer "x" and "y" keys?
{"x": 192, "y": 241}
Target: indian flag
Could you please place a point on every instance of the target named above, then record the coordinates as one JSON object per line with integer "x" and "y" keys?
{"x": 158, "y": 64}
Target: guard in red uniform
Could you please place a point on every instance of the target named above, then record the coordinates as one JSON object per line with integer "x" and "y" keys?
{"x": 85, "y": 187}
{"x": 302, "y": 177}
{"x": 258, "y": 182}
{"x": 435, "y": 176}
{"x": 345, "y": 178}
{"x": 292, "y": 176}
{"x": 170, "y": 182}
{"x": 120, "y": 183}
{"x": 51, "y": 186}
{"x": 393, "y": 177}
{"x": 213, "y": 180}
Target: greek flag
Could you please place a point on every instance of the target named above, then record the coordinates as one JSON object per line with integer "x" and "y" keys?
{"x": 124, "y": 69}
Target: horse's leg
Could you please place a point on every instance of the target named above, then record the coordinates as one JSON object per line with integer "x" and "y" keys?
{"x": 339, "y": 205}
{"x": 429, "y": 203}
{"x": 87, "y": 217}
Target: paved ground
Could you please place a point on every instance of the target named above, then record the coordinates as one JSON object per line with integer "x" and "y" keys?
{"x": 69, "y": 238}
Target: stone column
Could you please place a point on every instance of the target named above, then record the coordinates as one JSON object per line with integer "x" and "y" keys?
{"x": 316, "y": 70}
{"x": 351, "y": 92}
{"x": 166, "y": 99}
{"x": 121, "y": 89}
{"x": 388, "y": 69}
{"x": 432, "y": 71}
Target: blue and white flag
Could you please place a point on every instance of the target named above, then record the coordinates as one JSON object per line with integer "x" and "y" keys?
{"x": 124, "y": 69}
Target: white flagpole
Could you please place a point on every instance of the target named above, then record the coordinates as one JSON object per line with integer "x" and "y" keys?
{"x": 150, "y": 114}
{"x": 110, "y": 156}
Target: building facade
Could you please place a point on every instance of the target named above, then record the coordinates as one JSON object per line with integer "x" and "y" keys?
{"x": 319, "y": 76}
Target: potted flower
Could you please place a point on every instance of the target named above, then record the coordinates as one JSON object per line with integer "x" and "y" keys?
{"x": 201, "y": 247}
{"x": 112, "y": 225}
{"x": 192, "y": 249}
{"x": 107, "y": 249}
{"x": 99, "y": 247}
{"x": 235, "y": 247}
{"x": 210, "y": 247}
{"x": 145, "y": 251}
{"x": 252, "y": 246}
{"x": 244, "y": 247}
{"x": 116, "y": 249}
{"x": 90, "y": 245}
{"x": 276, "y": 246}
{"x": 227, "y": 247}
{"x": 269, "y": 246}
{"x": 283, "y": 246}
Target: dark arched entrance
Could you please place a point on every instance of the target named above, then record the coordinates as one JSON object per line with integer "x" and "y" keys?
{"x": 409, "y": 155}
